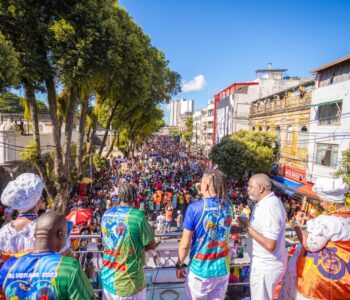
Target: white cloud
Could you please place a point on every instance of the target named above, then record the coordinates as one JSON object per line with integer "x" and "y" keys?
{"x": 196, "y": 84}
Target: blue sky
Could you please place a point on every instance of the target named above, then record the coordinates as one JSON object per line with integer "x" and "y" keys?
{"x": 226, "y": 41}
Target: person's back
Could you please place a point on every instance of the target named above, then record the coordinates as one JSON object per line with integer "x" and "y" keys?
{"x": 205, "y": 238}
{"x": 126, "y": 234}
{"x": 210, "y": 251}
{"x": 44, "y": 275}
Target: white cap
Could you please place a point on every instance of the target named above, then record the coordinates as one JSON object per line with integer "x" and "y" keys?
{"x": 331, "y": 190}
{"x": 23, "y": 193}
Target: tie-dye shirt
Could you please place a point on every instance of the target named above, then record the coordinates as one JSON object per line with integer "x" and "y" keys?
{"x": 126, "y": 232}
{"x": 210, "y": 251}
{"x": 46, "y": 275}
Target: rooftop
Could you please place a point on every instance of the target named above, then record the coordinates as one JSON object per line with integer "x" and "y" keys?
{"x": 235, "y": 86}
{"x": 331, "y": 64}
{"x": 271, "y": 70}
{"x": 306, "y": 82}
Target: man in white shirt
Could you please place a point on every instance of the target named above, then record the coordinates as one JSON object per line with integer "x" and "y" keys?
{"x": 161, "y": 223}
{"x": 266, "y": 242}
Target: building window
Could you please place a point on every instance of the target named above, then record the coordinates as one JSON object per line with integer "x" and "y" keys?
{"x": 267, "y": 128}
{"x": 253, "y": 128}
{"x": 289, "y": 138}
{"x": 260, "y": 128}
{"x": 327, "y": 155}
{"x": 303, "y": 135}
{"x": 278, "y": 133}
{"x": 329, "y": 114}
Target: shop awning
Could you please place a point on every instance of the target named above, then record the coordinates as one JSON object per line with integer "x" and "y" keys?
{"x": 307, "y": 190}
{"x": 287, "y": 185}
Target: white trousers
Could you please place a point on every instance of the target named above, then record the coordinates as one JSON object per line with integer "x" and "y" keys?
{"x": 198, "y": 288}
{"x": 263, "y": 282}
{"x": 139, "y": 296}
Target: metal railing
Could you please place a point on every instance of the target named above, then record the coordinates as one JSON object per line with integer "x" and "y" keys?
{"x": 162, "y": 259}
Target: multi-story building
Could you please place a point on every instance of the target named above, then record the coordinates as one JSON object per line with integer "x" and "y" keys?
{"x": 208, "y": 126}
{"x": 178, "y": 108}
{"x": 229, "y": 111}
{"x": 329, "y": 126}
{"x": 198, "y": 127}
{"x": 203, "y": 120}
{"x": 232, "y": 105}
{"x": 182, "y": 120}
{"x": 286, "y": 114}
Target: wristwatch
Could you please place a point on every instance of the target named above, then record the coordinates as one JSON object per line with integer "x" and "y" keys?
{"x": 178, "y": 266}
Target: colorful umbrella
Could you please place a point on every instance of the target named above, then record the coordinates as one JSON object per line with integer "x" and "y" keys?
{"x": 79, "y": 216}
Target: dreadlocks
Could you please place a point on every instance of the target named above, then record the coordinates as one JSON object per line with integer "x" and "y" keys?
{"x": 216, "y": 180}
{"x": 126, "y": 193}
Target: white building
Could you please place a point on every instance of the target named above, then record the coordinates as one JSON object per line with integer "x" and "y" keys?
{"x": 329, "y": 133}
{"x": 232, "y": 105}
{"x": 198, "y": 127}
{"x": 16, "y": 134}
{"x": 179, "y": 108}
{"x": 203, "y": 128}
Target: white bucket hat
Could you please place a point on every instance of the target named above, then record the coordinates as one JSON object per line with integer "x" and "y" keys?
{"x": 331, "y": 190}
{"x": 23, "y": 193}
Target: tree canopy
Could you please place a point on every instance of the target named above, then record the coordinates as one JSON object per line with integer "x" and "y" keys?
{"x": 93, "y": 62}
{"x": 187, "y": 134}
{"x": 11, "y": 103}
{"x": 344, "y": 171}
{"x": 9, "y": 64}
{"x": 244, "y": 151}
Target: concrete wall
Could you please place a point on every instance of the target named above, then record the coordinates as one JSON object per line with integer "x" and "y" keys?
{"x": 17, "y": 142}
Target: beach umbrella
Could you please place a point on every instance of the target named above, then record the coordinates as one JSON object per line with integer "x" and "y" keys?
{"x": 79, "y": 216}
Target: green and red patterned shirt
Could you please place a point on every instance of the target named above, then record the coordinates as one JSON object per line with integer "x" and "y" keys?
{"x": 46, "y": 276}
{"x": 126, "y": 232}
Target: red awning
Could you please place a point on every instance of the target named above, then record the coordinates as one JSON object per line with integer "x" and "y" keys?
{"x": 307, "y": 190}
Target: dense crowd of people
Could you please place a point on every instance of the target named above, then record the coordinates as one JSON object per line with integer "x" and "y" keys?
{"x": 165, "y": 189}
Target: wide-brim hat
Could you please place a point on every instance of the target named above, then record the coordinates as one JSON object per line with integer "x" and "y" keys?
{"x": 23, "y": 193}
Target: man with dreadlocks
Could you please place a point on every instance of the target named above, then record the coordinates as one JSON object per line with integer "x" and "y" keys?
{"x": 126, "y": 236}
{"x": 206, "y": 233}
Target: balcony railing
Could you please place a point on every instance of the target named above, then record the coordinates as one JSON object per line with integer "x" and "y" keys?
{"x": 276, "y": 105}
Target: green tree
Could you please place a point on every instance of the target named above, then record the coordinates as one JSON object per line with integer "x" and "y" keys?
{"x": 344, "y": 171}
{"x": 11, "y": 103}
{"x": 9, "y": 64}
{"x": 88, "y": 50}
{"x": 244, "y": 151}
{"x": 138, "y": 127}
{"x": 145, "y": 79}
{"x": 188, "y": 133}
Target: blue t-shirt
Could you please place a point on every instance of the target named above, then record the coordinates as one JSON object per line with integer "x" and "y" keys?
{"x": 210, "y": 252}
{"x": 44, "y": 276}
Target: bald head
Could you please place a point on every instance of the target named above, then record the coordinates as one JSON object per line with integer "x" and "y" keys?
{"x": 259, "y": 186}
{"x": 263, "y": 180}
{"x": 51, "y": 231}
